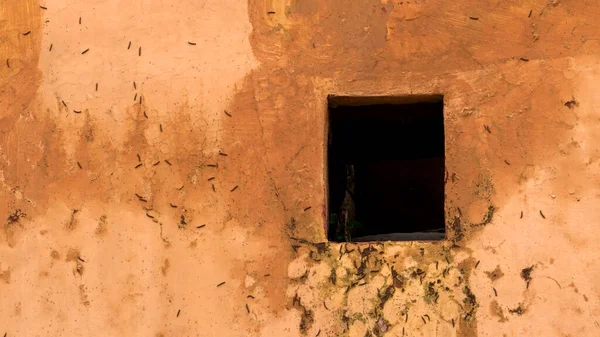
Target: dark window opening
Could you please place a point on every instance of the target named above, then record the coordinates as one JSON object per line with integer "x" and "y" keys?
{"x": 386, "y": 168}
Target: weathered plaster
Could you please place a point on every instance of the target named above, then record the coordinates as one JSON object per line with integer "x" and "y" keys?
{"x": 108, "y": 249}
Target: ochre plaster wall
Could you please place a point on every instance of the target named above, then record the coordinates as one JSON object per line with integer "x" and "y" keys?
{"x": 93, "y": 245}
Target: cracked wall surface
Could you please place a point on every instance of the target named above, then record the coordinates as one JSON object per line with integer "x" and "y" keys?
{"x": 162, "y": 168}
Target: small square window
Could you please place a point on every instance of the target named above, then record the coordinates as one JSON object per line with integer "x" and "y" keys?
{"x": 386, "y": 168}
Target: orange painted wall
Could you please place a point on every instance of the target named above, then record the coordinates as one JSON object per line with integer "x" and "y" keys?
{"x": 225, "y": 103}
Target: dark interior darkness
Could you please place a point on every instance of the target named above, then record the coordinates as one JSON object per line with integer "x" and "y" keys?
{"x": 397, "y": 155}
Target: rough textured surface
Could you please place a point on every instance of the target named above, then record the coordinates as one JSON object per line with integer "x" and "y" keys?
{"x": 90, "y": 245}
